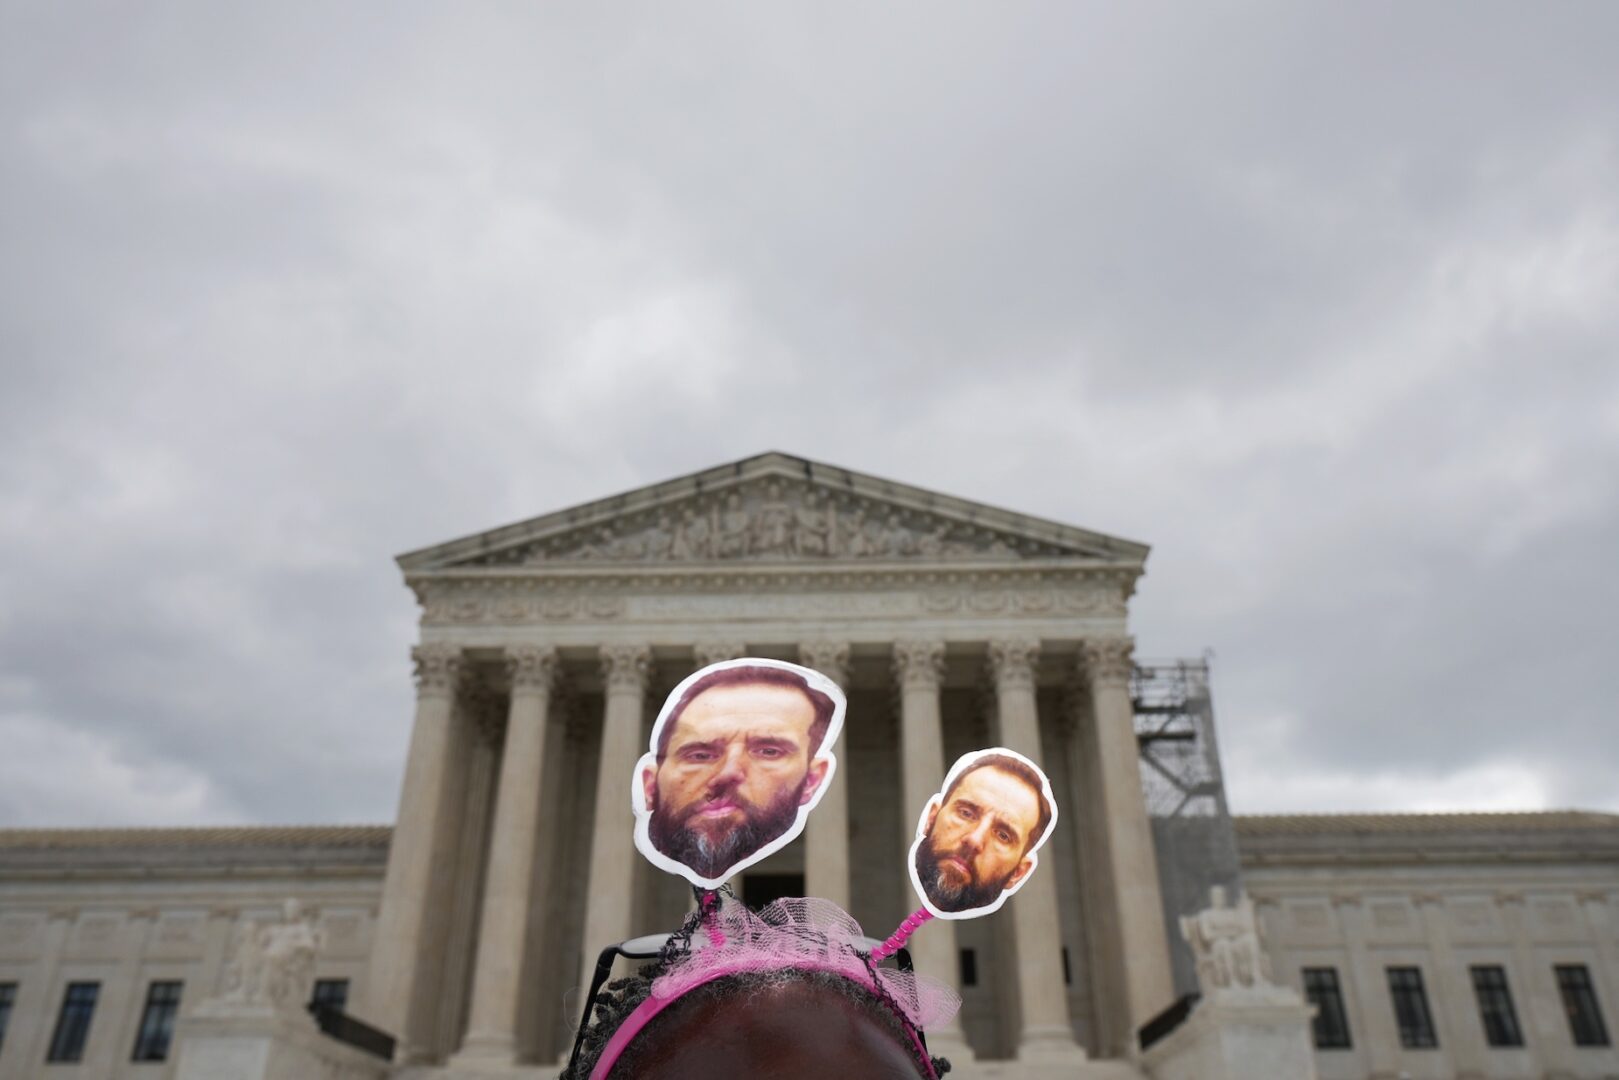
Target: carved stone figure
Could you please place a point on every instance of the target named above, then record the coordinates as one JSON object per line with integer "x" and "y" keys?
{"x": 274, "y": 963}
{"x": 1225, "y": 943}
{"x": 691, "y": 540}
{"x": 773, "y": 524}
{"x": 733, "y": 534}
{"x": 855, "y": 544}
{"x": 812, "y": 536}
{"x": 657, "y": 540}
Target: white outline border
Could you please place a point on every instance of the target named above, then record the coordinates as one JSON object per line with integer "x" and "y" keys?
{"x": 963, "y": 764}
{"x": 643, "y": 818}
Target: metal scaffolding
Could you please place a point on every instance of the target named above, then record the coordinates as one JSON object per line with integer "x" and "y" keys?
{"x": 1193, "y": 836}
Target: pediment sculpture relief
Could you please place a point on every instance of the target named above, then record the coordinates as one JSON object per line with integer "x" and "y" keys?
{"x": 775, "y": 521}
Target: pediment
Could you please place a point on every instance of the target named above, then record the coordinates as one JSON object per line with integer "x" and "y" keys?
{"x": 773, "y": 509}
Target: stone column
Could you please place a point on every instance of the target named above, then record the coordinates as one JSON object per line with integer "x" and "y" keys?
{"x": 1042, "y": 998}
{"x": 1126, "y": 832}
{"x": 402, "y": 924}
{"x": 610, "y": 891}
{"x": 1463, "y": 1034}
{"x": 118, "y": 992}
{"x": 1369, "y": 986}
{"x": 502, "y": 945}
{"x": 826, "y": 835}
{"x": 918, "y": 671}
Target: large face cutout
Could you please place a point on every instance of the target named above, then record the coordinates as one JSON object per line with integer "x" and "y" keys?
{"x": 977, "y": 838}
{"x": 741, "y": 753}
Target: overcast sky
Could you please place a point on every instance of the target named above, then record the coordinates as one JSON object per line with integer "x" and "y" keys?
{"x": 1321, "y": 302}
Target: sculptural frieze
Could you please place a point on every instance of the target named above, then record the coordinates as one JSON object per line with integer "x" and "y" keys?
{"x": 774, "y": 521}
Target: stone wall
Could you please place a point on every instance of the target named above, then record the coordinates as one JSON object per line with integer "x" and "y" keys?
{"x": 123, "y": 908}
{"x": 1443, "y": 893}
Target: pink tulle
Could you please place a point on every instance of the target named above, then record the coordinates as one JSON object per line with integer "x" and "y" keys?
{"x": 805, "y": 933}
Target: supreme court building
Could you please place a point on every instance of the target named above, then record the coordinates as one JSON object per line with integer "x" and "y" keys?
{"x": 545, "y": 650}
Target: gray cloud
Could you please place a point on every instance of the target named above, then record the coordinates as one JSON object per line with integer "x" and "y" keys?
{"x": 1317, "y": 301}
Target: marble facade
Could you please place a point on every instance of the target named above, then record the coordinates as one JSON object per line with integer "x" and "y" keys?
{"x": 546, "y": 647}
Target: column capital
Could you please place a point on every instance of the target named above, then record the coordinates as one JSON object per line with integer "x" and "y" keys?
{"x": 1012, "y": 662}
{"x": 626, "y": 668}
{"x": 715, "y": 651}
{"x": 438, "y": 669}
{"x": 532, "y": 668}
{"x": 830, "y": 658}
{"x": 1108, "y": 661}
{"x": 919, "y": 664}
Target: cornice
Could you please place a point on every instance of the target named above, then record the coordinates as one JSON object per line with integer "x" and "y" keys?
{"x": 832, "y": 482}
{"x": 844, "y": 574}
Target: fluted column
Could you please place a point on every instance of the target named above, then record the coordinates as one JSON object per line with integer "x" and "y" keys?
{"x": 1043, "y": 999}
{"x": 918, "y": 670}
{"x": 395, "y": 977}
{"x": 1125, "y": 831}
{"x": 492, "y": 1023}
{"x": 609, "y": 893}
{"x": 826, "y": 835}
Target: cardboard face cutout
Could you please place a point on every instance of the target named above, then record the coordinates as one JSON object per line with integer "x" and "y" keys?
{"x": 978, "y": 836}
{"x": 740, "y": 755}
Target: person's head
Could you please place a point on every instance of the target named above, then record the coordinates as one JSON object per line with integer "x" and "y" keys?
{"x": 791, "y": 1024}
{"x": 980, "y": 837}
{"x": 736, "y": 759}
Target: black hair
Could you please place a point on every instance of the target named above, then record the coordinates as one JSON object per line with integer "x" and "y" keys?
{"x": 749, "y": 675}
{"x": 619, "y": 998}
{"x": 1023, "y": 772}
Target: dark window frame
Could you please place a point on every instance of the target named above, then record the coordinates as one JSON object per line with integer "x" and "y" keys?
{"x": 1412, "y": 1014}
{"x": 330, "y": 993}
{"x": 73, "y": 1020}
{"x": 1580, "y": 1004}
{"x": 155, "y": 1035}
{"x": 967, "y": 965}
{"x": 1329, "y": 1028}
{"x": 1496, "y": 1011}
{"x": 8, "y": 1001}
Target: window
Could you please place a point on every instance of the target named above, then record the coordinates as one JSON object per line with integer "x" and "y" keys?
{"x": 759, "y": 889}
{"x": 157, "y": 1022}
{"x": 1495, "y": 1007}
{"x": 330, "y": 993}
{"x": 1411, "y": 1009}
{"x": 73, "y": 1024}
{"x": 969, "y": 967}
{"x": 8, "y": 998}
{"x": 1331, "y": 1023}
{"x": 1580, "y": 1003}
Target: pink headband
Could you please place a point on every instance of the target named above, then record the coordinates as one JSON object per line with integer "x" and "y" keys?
{"x": 802, "y": 934}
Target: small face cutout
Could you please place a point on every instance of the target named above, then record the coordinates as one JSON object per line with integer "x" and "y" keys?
{"x": 977, "y": 838}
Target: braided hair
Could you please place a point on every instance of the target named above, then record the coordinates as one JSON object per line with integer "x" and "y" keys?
{"x": 621, "y": 997}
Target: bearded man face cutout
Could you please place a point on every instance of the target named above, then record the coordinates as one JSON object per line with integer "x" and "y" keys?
{"x": 979, "y": 839}
{"x": 736, "y": 762}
